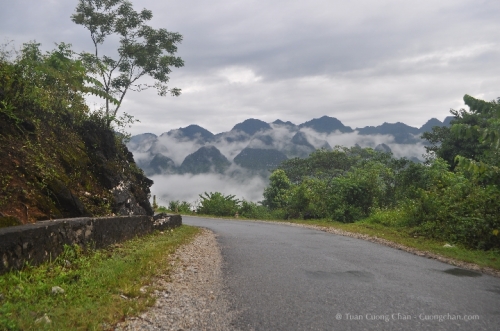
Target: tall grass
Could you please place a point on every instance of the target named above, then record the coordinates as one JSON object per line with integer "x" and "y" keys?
{"x": 101, "y": 287}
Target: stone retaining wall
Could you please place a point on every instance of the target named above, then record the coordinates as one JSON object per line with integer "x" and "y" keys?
{"x": 45, "y": 240}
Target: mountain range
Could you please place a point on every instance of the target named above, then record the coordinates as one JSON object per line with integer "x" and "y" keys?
{"x": 256, "y": 146}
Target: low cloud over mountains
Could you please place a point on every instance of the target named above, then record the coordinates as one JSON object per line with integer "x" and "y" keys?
{"x": 238, "y": 161}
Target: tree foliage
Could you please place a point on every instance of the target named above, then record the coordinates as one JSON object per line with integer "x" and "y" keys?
{"x": 464, "y": 136}
{"x": 275, "y": 196}
{"x": 486, "y": 165}
{"x": 218, "y": 204}
{"x": 42, "y": 85}
{"x": 142, "y": 51}
{"x": 459, "y": 204}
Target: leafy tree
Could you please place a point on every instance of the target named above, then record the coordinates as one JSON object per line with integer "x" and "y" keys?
{"x": 45, "y": 86}
{"x": 325, "y": 164}
{"x": 143, "y": 50}
{"x": 486, "y": 167}
{"x": 447, "y": 143}
{"x": 276, "y": 195}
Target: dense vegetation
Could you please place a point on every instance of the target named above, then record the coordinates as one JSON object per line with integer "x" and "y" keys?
{"x": 57, "y": 158}
{"x": 454, "y": 196}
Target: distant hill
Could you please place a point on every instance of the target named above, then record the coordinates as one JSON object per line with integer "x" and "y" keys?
{"x": 287, "y": 124}
{"x": 326, "y": 124}
{"x": 383, "y": 148}
{"x": 427, "y": 127}
{"x": 266, "y": 140}
{"x": 257, "y": 146}
{"x": 447, "y": 120}
{"x": 204, "y": 160}
{"x": 160, "y": 164}
{"x": 251, "y": 126}
{"x": 192, "y": 132}
{"x": 259, "y": 159}
{"x": 142, "y": 142}
{"x": 402, "y": 133}
{"x": 300, "y": 139}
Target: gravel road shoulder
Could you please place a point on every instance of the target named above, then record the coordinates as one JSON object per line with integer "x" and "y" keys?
{"x": 192, "y": 296}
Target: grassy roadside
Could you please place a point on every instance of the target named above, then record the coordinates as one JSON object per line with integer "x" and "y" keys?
{"x": 101, "y": 287}
{"x": 403, "y": 236}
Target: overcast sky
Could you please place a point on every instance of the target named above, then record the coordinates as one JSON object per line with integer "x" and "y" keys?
{"x": 364, "y": 62}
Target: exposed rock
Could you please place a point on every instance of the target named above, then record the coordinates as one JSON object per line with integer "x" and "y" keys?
{"x": 130, "y": 190}
{"x": 57, "y": 290}
{"x": 67, "y": 203}
{"x": 125, "y": 202}
{"x": 44, "y": 319}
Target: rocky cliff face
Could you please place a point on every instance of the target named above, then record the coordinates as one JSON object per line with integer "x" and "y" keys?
{"x": 57, "y": 158}
{"x": 57, "y": 168}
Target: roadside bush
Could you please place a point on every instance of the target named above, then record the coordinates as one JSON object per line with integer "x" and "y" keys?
{"x": 161, "y": 209}
{"x": 217, "y": 204}
{"x": 457, "y": 209}
{"x": 180, "y": 206}
{"x": 251, "y": 209}
{"x": 388, "y": 217}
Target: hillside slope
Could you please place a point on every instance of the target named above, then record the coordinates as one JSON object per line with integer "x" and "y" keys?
{"x": 56, "y": 159}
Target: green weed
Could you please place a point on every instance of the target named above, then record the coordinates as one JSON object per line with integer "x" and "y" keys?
{"x": 101, "y": 287}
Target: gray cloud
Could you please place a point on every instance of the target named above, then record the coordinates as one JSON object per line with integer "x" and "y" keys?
{"x": 364, "y": 62}
{"x": 174, "y": 187}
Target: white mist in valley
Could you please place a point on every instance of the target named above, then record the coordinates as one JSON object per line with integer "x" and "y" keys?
{"x": 175, "y": 182}
{"x": 188, "y": 187}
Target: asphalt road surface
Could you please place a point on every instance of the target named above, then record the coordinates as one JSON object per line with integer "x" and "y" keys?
{"x": 282, "y": 277}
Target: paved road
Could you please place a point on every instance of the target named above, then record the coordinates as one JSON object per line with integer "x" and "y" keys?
{"x": 289, "y": 278}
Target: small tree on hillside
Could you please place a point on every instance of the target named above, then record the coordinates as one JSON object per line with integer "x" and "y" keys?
{"x": 143, "y": 50}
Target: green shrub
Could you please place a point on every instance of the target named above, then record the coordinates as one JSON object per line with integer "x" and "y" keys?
{"x": 217, "y": 204}
{"x": 249, "y": 209}
{"x": 180, "y": 206}
{"x": 457, "y": 209}
{"x": 388, "y": 217}
{"x": 161, "y": 209}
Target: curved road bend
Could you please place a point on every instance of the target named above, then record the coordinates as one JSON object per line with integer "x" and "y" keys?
{"x": 290, "y": 278}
